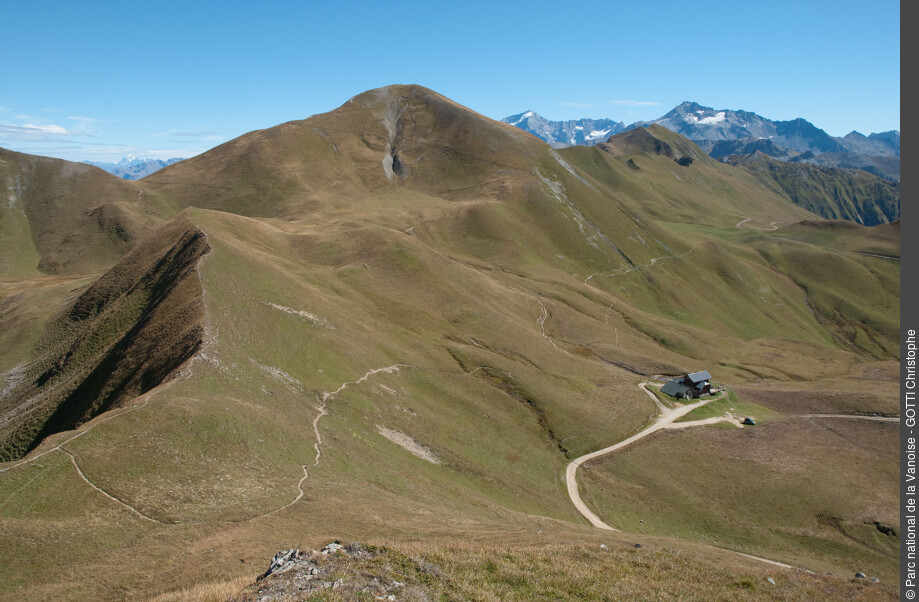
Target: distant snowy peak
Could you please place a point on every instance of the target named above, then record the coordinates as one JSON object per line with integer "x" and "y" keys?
{"x": 560, "y": 134}
{"x": 697, "y": 122}
{"x": 132, "y": 167}
{"x": 520, "y": 118}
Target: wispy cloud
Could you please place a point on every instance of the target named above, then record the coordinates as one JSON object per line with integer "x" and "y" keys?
{"x": 203, "y": 134}
{"x": 634, "y": 103}
{"x": 86, "y": 120}
{"x": 80, "y": 137}
{"x": 578, "y": 105}
{"x": 30, "y": 131}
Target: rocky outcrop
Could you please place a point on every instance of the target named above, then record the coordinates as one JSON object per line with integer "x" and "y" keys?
{"x": 352, "y": 571}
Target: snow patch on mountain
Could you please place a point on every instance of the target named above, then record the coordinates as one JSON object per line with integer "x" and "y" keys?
{"x": 710, "y": 120}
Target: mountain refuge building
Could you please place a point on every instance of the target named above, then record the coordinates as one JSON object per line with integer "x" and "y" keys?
{"x": 690, "y": 386}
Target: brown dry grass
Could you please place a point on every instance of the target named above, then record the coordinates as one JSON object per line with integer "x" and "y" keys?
{"x": 205, "y": 592}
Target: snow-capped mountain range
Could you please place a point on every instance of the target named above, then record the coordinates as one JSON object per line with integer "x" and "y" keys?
{"x": 724, "y": 132}
{"x": 132, "y": 167}
{"x": 560, "y": 134}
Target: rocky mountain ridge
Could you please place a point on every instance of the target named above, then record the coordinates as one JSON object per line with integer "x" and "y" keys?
{"x": 724, "y": 132}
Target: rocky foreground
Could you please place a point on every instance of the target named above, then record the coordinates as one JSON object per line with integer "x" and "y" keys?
{"x": 347, "y": 571}
{"x": 596, "y": 572}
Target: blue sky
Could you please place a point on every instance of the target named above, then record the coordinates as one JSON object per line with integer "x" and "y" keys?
{"x": 99, "y": 80}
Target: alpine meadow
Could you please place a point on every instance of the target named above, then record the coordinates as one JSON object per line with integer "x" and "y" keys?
{"x": 404, "y": 324}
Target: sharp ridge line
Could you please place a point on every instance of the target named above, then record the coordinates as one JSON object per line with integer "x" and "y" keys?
{"x": 182, "y": 373}
{"x": 90, "y": 427}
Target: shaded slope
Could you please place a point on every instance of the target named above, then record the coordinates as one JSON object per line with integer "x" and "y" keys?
{"x": 125, "y": 334}
{"x": 829, "y": 192}
{"x": 883, "y": 166}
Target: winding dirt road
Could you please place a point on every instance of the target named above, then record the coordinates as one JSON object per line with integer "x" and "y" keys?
{"x": 666, "y": 420}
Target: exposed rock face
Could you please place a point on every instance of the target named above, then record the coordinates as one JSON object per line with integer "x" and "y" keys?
{"x": 348, "y": 569}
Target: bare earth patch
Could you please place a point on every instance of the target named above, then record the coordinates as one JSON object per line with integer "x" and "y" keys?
{"x": 312, "y": 318}
{"x": 403, "y": 440}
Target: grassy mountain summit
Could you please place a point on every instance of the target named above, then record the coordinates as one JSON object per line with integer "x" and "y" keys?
{"x": 400, "y": 320}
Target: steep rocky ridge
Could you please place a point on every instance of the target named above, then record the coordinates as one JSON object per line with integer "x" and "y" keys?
{"x": 125, "y": 334}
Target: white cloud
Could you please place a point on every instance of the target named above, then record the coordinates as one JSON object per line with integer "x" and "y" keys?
{"x": 635, "y": 103}
{"x": 30, "y": 131}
